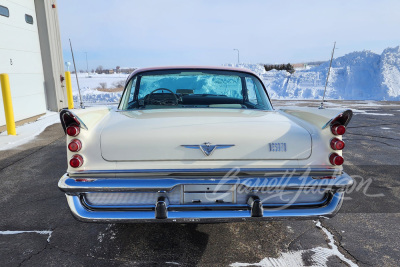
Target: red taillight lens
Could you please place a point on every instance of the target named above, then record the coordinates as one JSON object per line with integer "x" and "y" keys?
{"x": 75, "y": 145}
{"x": 73, "y": 130}
{"x": 337, "y": 144}
{"x": 338, "y": 129}
{"x": 76, "y": 161}
{"x": 335, "y": 159}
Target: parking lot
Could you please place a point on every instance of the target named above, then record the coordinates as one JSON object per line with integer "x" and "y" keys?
{"x": 36, "y": 227}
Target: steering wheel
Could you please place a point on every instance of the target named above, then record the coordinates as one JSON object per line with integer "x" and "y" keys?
{"x": 163, "y": 101}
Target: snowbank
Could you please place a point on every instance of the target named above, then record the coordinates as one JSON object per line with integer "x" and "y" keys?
{"x": 90, "y": 83}
{"x": 28, "y": 131}
{"x": 355, "y": 76}
{"x": 390, "y": 72}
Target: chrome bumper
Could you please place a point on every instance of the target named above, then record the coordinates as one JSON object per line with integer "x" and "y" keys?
{"x": 164, "y": 211}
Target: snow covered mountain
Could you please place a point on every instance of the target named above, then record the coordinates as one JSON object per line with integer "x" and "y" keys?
{"x": 355, "y": 76}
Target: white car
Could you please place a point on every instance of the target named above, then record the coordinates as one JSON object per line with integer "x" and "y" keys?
{"x": 202, "y": 144}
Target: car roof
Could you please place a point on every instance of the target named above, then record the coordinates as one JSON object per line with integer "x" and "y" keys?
{"x": 191, "y": 68}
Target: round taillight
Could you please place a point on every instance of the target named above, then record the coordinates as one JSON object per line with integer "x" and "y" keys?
{"x": 338, "y": 129}
{"x": 75, "y": 145}
{"x": 337, "y": 144}
{"x": 335, "y": 159}
{"x": 73, "y": 130}
{"x": 76, "y": 161}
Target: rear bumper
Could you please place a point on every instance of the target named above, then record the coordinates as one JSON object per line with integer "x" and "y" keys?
{"x": 84, "y": 214}
{"x": 163, "y": 210}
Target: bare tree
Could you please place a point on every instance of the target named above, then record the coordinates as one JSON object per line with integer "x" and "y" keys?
{"x": 103, "y": 85}
{"x": 119, "y": 84}
{"x": 99, "y": 69}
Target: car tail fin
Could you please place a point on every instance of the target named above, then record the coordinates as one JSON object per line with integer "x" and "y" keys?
{"x": 322, "y": 118}
{"x": 68, "y": 118}
{"x": 343, "y": 118}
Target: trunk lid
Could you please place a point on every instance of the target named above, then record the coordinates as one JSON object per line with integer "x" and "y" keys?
{"x": 160, "y": 134}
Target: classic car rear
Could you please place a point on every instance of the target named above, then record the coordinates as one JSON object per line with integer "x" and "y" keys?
{"x": 197, "y": 144}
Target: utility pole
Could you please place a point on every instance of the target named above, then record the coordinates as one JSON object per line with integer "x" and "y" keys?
{"x": 87, "y": 65}
{"x": 327, "y": 77}
{"x": 238, "y": 54}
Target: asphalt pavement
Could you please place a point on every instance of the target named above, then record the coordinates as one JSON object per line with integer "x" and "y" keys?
{"x": 36, "y": 227}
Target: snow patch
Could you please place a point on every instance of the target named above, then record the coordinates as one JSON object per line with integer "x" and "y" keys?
{"x": 319, "y": 255}
{"x": 334, "y": 248}
{"x": 363, "y": 112}
{"x": 101, "y": 235}
{"x": 90, "y": 84}
{"x": 28, "y": 131}
{"x": 23, "y": 232}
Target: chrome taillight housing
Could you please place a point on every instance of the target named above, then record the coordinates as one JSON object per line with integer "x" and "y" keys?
{"x": 76, "y": 161}
{"x": 75, "y": 145}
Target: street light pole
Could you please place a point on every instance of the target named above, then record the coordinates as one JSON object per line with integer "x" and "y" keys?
{"x": 87, "y": 65}
{"x": 238, "y": 54}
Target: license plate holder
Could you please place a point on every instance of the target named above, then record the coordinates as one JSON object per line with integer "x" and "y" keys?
{"x": 209, "y": 194}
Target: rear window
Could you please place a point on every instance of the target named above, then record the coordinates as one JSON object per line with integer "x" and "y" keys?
{"x": 4, "y": 11}
{"x": 194, "y": 89}
{"x": 28, "y": 19}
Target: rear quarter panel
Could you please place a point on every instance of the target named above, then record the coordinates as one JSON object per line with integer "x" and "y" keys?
{"x": 93, "y": 120}
{"x": 317, "y": 122}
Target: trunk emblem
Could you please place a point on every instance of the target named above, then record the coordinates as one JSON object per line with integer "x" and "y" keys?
{"x": 207, "y": 148}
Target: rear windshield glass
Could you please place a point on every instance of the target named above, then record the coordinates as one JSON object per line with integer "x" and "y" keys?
{"x": 194, "y": 89}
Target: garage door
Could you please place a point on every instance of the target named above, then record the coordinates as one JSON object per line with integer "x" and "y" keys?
{"x": 20, "y": 57}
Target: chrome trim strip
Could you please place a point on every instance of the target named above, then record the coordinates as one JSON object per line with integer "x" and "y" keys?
{"x": 71, "y": 186}
{"x": 347, "y": 111}
{"x": 186, "y": 216}
{"x": 196, "y": 206}
{"x": 223, "y": 171}
{"x": 73, "y": 115}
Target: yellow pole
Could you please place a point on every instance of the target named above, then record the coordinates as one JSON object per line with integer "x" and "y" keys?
{"x": 8, "y": 108}
{"x": 69, "y": 90}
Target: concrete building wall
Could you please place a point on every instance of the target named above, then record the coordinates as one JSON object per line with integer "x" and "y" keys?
{"x": 31, "y": 54}
{"x": 50, "y": 44}
{"x": 20, "y": 58}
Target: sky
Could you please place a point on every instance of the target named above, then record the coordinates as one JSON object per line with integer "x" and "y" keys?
{"x": 131, "y": 33}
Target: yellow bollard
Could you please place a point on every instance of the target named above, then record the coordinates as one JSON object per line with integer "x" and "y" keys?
{"x": 8, "y": 108}
{"x": 69, "y": 90}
